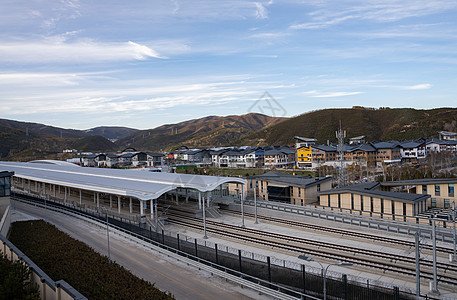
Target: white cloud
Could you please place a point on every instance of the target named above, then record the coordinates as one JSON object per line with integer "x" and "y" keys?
{"x": 88, "y": 51}
{"x": 261, "y": 11}
{"x": 317, "y": 94}
{"x": 332, "y": 12}
{"x": 423, "y": 86}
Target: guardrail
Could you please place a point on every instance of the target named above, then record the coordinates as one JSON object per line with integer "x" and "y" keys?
{"x": 262, "y": 286}
{"x": 49, "y": 289}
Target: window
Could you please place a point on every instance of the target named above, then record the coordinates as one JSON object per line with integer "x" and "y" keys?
{"x": 433, "y": 202}
{"x": 450, "y": 189}
{"x": 328, "y": 200}
{"x": 382, "y": 205}
{"x": 371, "y": 204}
{"x": 339, "y": 200}
{"x": 404, "y": 209}
{"x": 446, "y": 203}
{"x": 352, "y": 201}
{"x": 437, "y": 189}
{"x": 393, "y": 209}
{"x": 424, "y": 189}
{"x": 361, "y": 202}
{"x": 5, "y": 186}
{"x": 318, "y": 187}
{"x": 299, "y": 192}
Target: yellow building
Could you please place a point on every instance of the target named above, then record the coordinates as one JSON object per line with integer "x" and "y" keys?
{"x": 304, "y": 157}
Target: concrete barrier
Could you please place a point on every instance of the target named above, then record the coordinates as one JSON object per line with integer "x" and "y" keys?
{"x": 49, "y": 289}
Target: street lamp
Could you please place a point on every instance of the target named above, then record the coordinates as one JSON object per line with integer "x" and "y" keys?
{"x": 454, "y": 258}
{"x": 324, "y": 270}
{"x": 107, "y": 233}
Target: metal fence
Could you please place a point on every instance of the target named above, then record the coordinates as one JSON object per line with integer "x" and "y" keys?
{"x": 281, "y": 272}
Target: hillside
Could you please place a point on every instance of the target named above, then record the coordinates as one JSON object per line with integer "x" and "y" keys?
{"x": 205, "y": 132}
{"x": 42, "y": 129}
{"x": 111, "y": 132}
{"x": 95, "y": 143}
{"x": 381, "y": 124}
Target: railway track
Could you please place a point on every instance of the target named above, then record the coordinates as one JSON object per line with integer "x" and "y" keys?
{"x": 342, "y": 232}
{"x": 361, "y": 257}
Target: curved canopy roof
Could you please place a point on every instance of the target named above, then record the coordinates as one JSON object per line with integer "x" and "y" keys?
{"x": 143, "y": 185}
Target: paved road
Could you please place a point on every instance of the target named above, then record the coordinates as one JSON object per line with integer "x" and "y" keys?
{"x": 183, "y": 281}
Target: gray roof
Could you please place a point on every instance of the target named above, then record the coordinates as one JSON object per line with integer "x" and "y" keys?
{"x": 384, "y": 145}
{"x": 139, "y": 184}
{"x": 293, "y": 180}
{"x": 419, "y": 181}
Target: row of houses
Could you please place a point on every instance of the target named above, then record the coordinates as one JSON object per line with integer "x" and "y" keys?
{"x": 305, "y": 154}
{"x": 372, "y": 153}
{"x": 124, "y": 159}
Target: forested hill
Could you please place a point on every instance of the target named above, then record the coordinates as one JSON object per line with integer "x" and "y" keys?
{"x": 380, "y": 124}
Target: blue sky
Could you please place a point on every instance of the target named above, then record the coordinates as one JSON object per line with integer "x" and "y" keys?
{"x": 81, "y": 64}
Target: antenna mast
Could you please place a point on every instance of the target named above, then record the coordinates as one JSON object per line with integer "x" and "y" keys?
{"x": 340, "y": 135}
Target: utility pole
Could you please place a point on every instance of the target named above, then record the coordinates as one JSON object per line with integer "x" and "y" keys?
{"x": 340, "y": 135}
{"x": 435, "y": 282}
{"x": 418, "y": 280}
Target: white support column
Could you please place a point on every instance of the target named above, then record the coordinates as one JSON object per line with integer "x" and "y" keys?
{"x": 44, "y": 189}
{"x": 207, "y": 200}
{"x": 187, "y": 196}
{"x": 199, "y": 200}
{"x": 141, "y": 208}
{"x": 204, "y": 219}
{"x": 119, "y": 204}
{"x": 131, "y": 205}
{"x": 95, "y": 198}
{"x": 242, "y": 205}
{"x": 177, "y": 199}
{"x": 98, "y": 200}
{"x": 39, "y": 189}
{"x": 80, "y": 197}
{"x": 65, "y": 197}
{"x": 54, "y": 191}
{"x": 110, "y": 201}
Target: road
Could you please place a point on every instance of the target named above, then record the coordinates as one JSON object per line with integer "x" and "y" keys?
{"x": 184, "y": 282}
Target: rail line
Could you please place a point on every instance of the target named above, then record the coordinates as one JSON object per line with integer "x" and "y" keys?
{"x": 393, "y": 263}
{"x": 340, "y": 231}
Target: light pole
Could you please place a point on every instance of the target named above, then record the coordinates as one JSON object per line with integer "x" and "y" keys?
{"x": 454, "y": 258}
{"x": 107, "y": 234}
{"x": 324, "y": 270}
{"x": 255, "y": 201}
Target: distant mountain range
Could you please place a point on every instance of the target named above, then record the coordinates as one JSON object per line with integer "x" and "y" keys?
{"x": 21, "y": 140}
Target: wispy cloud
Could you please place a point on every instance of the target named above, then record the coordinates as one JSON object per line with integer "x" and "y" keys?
{"x": 261, "y": 11}
{"x": 318, "y": 94}
{"x": 423, "y": 86}
{"x": 375, "y": 10}
{"x": 88, "y": 51}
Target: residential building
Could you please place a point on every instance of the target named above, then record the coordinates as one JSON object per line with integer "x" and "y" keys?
{"x": 276, "y": 186}
{"x": 447, "y": 135}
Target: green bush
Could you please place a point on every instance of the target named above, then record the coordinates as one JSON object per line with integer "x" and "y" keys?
{"x": 63, "y": 257}
{"x": 15, "y": 281}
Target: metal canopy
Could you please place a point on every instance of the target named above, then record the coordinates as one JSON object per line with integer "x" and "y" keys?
{"x": 143, "y": 185}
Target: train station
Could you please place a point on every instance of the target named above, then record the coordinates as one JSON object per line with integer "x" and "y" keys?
{"x": 125, "y": 192}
